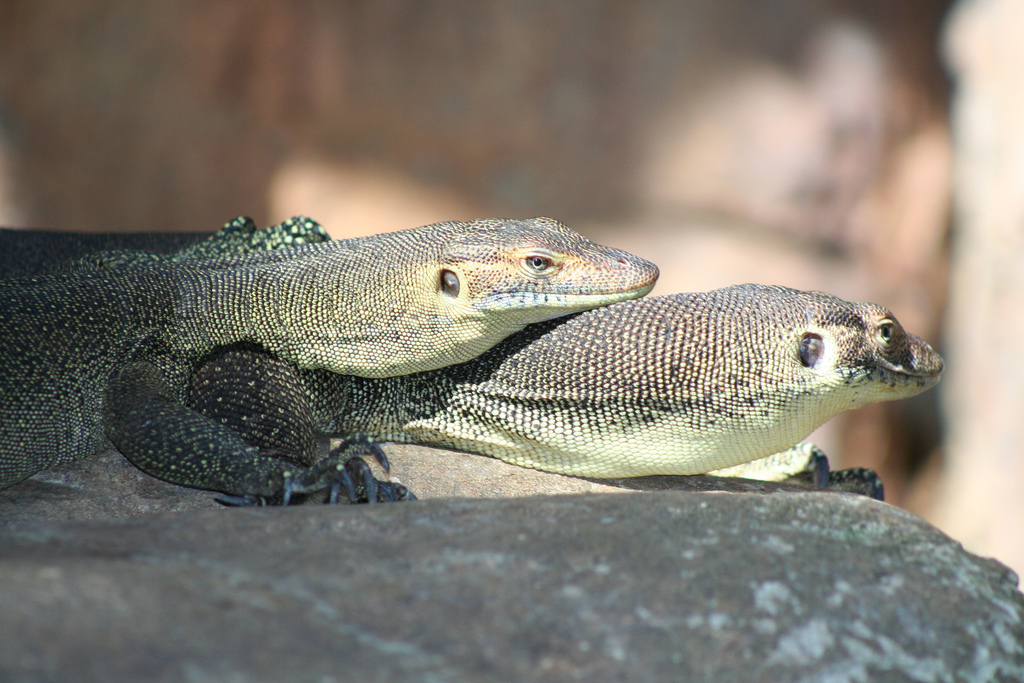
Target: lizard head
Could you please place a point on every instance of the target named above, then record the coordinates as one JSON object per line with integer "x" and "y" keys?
{"x": 532, "y": 270}
{"x": 862, "y": 346}
{"x": 437, "y": 295}
{"x": 493, "y": 277}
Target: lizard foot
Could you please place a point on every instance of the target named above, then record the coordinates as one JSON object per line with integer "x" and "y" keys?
{"x": 805, "y": 460}
{"x": 860, "y": 480}
{"x": 807, "y": 464}
{"x": 345, "y": 468}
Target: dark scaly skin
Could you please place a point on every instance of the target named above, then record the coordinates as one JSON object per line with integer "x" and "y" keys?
{"x": 27, "y": 253}
{"x": 263, "y": 401}
{"x": 33, "y": 253}
{"x": 144, "y": 414}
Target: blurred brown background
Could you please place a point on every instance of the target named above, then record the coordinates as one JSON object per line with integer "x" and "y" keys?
{"x": 797, "y": 142}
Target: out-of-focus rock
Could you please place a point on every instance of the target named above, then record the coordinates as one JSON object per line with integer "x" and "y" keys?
{"x": 983, "y": 393}
{"x": 10, "y": 211}
{"x": 361, "y": 199}
{"x": 128, "y": 116}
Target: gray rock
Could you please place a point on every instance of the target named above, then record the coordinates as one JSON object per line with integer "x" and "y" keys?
{"x": 642, "y": 587}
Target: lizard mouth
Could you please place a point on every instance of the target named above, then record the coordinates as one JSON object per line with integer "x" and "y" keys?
{"x": 562, "y": 303}
{"x": 932, "y": 368}
{"x": 902, "y": 376}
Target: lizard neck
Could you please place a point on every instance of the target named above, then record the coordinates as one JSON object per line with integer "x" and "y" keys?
{"x": 314, "y": 309}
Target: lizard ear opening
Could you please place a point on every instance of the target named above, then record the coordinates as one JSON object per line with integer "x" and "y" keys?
{"x": 450, "y": 283}
{"x": 811, "y": 348}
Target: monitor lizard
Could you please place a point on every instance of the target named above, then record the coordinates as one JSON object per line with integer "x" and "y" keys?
{"x": 670, "y": 385}
{"x": 99, "y": 351}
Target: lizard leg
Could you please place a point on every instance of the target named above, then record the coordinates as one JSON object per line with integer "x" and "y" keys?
{"x": 807, "y": 463}
{"x": 237, "y": 237}
{"x": 861, "y": 480}
{"x": 264, "y": 400}
{"x": 240, "y": 236}
{"x": 179, "y": 444}
{"x": 803, "y": 457}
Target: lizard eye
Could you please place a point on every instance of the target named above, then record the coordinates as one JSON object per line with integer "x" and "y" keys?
{"x": 885, "y": 332}
{"x": 536, "y": 263}
{"x": 450, "y": 283}
{"x": 811, "y": 348}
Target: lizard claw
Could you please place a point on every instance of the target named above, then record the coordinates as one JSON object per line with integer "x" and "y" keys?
{"x": 380, "y": 457}
{"x": 819, "y": 468}
{"x": 344, "y": 479}
{"x": 354, "y": 470}
{"x": 369, "y": 482}
{"x": 858, "y": 480}
{"x": 289, "y": 486}
{"x": 390, "y": 492}
{"x": 345, "y": 468}
{"x": 372, "y": 448}
{"x": 350, "y": 486}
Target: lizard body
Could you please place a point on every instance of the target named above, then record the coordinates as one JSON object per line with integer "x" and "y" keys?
{"x": 28, "y": 253}
{"x": 680, "y": 384}
{"x": 99, "y": 352}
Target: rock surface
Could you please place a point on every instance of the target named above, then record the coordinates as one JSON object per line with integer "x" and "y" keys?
{"x": 668, "y": 585}
{"x": 658, "y": 586}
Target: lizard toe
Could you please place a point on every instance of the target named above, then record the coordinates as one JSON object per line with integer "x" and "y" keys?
{"x": 819, "y": 468}
{"x": 346, "y": 470}
{"x": 858, "y": 480}
{"x": 390, "y": 492}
